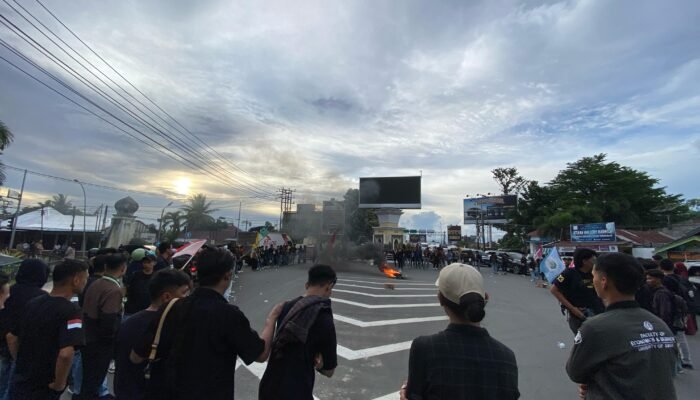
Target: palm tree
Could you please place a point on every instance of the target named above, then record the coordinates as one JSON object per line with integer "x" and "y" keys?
{"x": 60, "y": 203}
{"x": 175, "y": 220}
{"x": 197, "y": 212}
{"x": 5, "y": 140}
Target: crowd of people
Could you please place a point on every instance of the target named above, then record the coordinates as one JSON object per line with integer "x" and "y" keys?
{"x": 273, "y": 256}
{"x": 170, "y": 338}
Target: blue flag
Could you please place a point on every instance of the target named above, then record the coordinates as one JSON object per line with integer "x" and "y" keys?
{"x": 552, "y": 265}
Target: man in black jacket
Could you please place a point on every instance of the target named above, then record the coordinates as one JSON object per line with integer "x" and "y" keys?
{"x": 305, "y": 340}
{"x": 30, "y": 279}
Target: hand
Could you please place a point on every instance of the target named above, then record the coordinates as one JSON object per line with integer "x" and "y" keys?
{"x": 582, "y": 390}
{"x": 402, "y": 392}
{"x": 318, "y": 361}
{"x": 57, "y": 388}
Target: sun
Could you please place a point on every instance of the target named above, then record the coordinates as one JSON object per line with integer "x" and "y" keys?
{"x": 182, "y": 186}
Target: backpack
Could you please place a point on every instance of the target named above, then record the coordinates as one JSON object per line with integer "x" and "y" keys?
{"x": 686, "y": 290}
{"x": 680, "y": 313}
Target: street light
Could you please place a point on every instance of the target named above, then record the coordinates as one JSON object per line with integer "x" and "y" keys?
{"x": 160, "y": 224}
{"x": 84, "y": 213}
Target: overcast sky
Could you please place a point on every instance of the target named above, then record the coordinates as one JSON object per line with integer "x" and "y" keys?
{"x": 314, "y": 94}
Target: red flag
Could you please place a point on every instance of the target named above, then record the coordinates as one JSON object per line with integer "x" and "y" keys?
{"x": 538, "y": 255}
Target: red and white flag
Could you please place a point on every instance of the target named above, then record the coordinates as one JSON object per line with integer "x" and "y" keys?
{"x": 75, "y": 324}
{"x": 538, "y": 255}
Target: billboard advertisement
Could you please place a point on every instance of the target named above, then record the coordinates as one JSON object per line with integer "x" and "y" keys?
{"x": 454, "y": 233}
{"x": 418, "y": 238}
{"x": 393, "y": 192}
{"x": 598, "y": 232}
{"x": 493, "y": 209}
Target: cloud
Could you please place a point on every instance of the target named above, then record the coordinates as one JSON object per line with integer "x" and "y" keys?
{"x": 312, "y": 95}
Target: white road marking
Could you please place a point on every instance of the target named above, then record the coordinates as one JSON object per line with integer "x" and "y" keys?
{"x": 383, "y": 295}
{"x": 395, "y": 281}
{"x": 367, "y": 324}
{"x": 390, "y": 396}
{"x": 433, "y": 289}
{"x": 375, "y": 306}
{"x": 373, "y": 351}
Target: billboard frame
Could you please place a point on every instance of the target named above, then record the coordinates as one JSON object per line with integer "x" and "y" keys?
{"x": 413, "y": 206}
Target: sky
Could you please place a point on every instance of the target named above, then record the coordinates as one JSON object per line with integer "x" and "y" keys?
{"x": 312, "y": 95}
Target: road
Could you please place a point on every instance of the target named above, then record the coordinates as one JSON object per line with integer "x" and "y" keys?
{"x": 375, "y": 327}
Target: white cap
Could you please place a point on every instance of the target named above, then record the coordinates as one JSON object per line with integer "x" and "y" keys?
{"x": 456, "y": 280}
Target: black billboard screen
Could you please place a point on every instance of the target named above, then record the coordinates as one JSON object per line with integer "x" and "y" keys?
{"x": 394, "y": 192}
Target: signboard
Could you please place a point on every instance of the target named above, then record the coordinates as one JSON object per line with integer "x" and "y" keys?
{"x": 598, "y": 232}
{"x": 418, "y": 238}
{"x": 393, "y": 192}
{"x": 454, "y": 233}
{"x": 490, "y": 209}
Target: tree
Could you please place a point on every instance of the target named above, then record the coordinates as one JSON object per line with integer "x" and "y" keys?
{"x": 593, "y": 189}
{"x": 173, "y": 220}
{"x": 358, "y": 221}
{"x": 60, "y": 203}
{"x": 197, "y": 212}
{"x": 5, "y": 140}
{"x": 509, "y": 180}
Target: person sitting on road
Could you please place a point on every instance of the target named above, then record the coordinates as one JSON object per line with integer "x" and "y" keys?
{"x": 463, "y": 361}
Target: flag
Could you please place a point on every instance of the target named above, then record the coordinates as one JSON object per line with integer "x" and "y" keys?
{"x": 76, "y": 323}
{"x": 552, "y": 265}
{"x": 190, "y": 249}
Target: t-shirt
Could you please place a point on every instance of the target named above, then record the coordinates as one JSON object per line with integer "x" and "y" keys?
{"x": 202, "y": 337}
{"x": 138, "y": 297}
{"x": 461, "y": 363}
{"x": 577, "y": 287}
{"x": 129, "y": 381}
{"x": 102, "y": 308}
{"x": 48, "y": 325}
{"x": 292, "y": 377}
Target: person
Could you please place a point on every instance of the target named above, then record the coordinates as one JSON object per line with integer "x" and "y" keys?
{"x": 662, "y": 300}
{"x": 674, "y": 284}
{"x": 32, "y": 275}
{"x": 37, "y": 248}
{"x": 304, "y": 342}
{"x": 693, "y": 300}
{"x": 644, "y": 293}
{"x": 573, "y": 288}
{"x": 70, "y": 252}
{"x": 165, "y": 256}
{"x": 625, "y": 352}
{"x": 136, "y": 263}
{"x": 165, "y": 285}
{"x": 137, "y": 292}
{"x": 463, "y": 361}
{"x": 493, "y": 259}
{"x": 4, "y": 289}
{"x": 202, "y": 335}
{"x": 44, "y": 340}
{"x": 102, "y": 310}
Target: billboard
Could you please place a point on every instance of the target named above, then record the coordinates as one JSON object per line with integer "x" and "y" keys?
{"x": 598, "y": 232}
{"x": 392, "y": 192}
{"x": 454, "y": 233}
{"x": 493, "y": 209}
{"x": 418, "y": 238}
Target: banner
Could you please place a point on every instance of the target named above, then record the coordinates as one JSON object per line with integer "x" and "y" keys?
{"x": 454, "y": 233}
{"x": 489, "y": 209}
{"x": 418, "y": 238}
{"x": 552, "y": 265}
{"x": 599, "y": 232}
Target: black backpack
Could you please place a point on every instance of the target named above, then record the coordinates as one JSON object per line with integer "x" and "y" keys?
{"x": 687, "y": 291}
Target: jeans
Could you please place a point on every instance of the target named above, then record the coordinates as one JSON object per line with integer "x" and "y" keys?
{"x": 683, "y": 348}
{"x": 77, "y": 376}
{"x": 534, "y": 274}
{"x": 494, "y": 266}
{"x": 7, "y": 367}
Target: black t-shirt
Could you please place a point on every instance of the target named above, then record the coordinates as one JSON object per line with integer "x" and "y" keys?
{"x": 292, "y": 377}
{"x": 137, "y": 296}
{"x": 48, "y": 325}
{"x": 129, "y": 382}
{"x": 578, "y": 288}
{"x": 202, "y": 337}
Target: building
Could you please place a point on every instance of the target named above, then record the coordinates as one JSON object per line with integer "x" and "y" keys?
{"x": 640, "y": 244}
{"x": 686, "y": 248}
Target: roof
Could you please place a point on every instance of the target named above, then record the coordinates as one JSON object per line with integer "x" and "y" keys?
{"x": 677, "y": 243}
{"x": 567, "y": 243}
{"x": 54, "y": 221}
{"x": 643, "y": 238}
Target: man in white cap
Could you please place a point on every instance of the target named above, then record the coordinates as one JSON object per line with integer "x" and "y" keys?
{"x": 463, "y": 361}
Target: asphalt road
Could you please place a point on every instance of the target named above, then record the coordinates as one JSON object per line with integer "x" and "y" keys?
{"x": 374, "y": 333}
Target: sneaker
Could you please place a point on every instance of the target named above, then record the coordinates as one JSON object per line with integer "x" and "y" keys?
{"x": 688, "y": 366}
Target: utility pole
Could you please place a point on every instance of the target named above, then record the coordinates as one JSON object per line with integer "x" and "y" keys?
{"x": 42, "y": 223}
{"x": 238, "y": 225}
{"x": 286, "y": 201}
{"x": 19, "y": 204}
{"x": 72, "y": 224}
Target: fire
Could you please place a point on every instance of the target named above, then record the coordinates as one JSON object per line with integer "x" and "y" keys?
{"x": 390, "y": 272}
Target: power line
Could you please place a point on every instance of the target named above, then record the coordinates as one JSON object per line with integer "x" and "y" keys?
{"x": 53, "y": 58}
{"x": 206, "y": 146}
